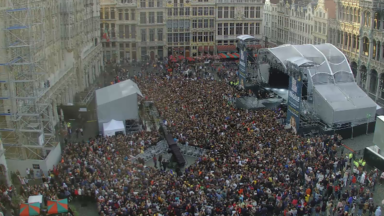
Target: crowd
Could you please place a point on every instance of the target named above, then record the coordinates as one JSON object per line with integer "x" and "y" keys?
{"x": 252, "y": 166}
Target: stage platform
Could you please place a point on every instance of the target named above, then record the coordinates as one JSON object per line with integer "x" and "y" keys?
{"x": 253, "y": 103}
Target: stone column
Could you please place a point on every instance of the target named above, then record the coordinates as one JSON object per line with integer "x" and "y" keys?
{"x": 357, "y": 42}
{"x": 367, "y": 82}
{"x": 348, "y": 41}
{"x": 361, "y": 46}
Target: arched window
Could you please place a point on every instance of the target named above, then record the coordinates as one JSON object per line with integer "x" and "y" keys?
{"x": 358, "y": 16}
{"x": 374, "y": 49}
{"x": 381, "y": 86}
{"x": 373, "y": 82}
{"x": 363, "y": 76}
{"x": 354, "y": 69}
{"x": 366, "y": 46}
{"x": 354, "y": 15}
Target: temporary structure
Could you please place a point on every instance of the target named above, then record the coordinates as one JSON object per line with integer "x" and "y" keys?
{"x": 35, "y": 199}
{"x": 57, "y": 206}
{"x": 28, "y": 209}
{"x": 110, "y": 128}
{"x": 118, "y": 101}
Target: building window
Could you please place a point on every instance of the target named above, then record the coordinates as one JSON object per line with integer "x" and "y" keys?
{"x": 257, "y": 28}
{"x": 113, "y": 13}
{"x": 252, "y": 13}
{"x": 151, "y": 17}
{"x": 251, "y": 28}
{"x": 106, "y": 13}
{"x": 151, "y": 34}
{"x": 239, "y": 28}
{"x": 246, "y": 12}
{"x": 232, "y": 14}
{"x": 205, "y": 37}
{"x": 245, "y": 28}
{"x": 211, "y": 11}
{"x": 219, "y": 29}
{"x": 126, "y": 14}
{"x": 181, "y": 11}
{"x": 159, "y": 3}
{"x": 169, "y": 38}
{"x": 160, "y": 17}
{"x": 101, "y": 13}
{"x": 121, "y": 14}
{"x": 231, "y": 28}
{"x": 200, "y": 23}
{"x": 211, "y": 37}
{"x": 133, "y": 14}
{"x": 194, "y": 37}
{"x": 225, "y": 28}
{"x": 212, "y": 23}
{"x": 143, "y": 35}
{"x": 151, "y": 3}
{"x": 200, "y": 11}
{"x": 194, "y": 11}
{"x": 205, "y": 23}
{"x": 121, "y": 31}
{"x": 142, "y": 3}
{"x": 194, "y": 24}
{"x": 220, "y": 12}
{"x": 226, "y": 12}
{"x": 143, "y": 18}
{"x": 160, "y": 34}
{"x": 206, "y": 11}
{"x": 126, "y": 31}
{"x": 169, "y": 12}
{"x": 257, "y": 12}
{"x": 186, "y": 11}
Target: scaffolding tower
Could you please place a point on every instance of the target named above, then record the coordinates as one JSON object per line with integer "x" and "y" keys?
{"x": 26, "y": 115}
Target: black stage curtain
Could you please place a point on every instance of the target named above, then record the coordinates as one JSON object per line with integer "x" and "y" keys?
{"x": 278, "y": 79}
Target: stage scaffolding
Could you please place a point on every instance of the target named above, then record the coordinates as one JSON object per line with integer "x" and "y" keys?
{"x": 26, "y": 116}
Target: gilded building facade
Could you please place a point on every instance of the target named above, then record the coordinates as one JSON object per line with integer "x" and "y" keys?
{"x": 51, "y": 50}
{"x": 358, "y": 31}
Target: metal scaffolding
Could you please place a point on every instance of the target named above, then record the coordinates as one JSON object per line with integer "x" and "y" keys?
{"x": 26, "y": 119}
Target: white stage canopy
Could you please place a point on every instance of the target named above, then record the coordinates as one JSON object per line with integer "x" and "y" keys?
{"x": 337, "y": 99}
{"x": 110, "y": 128}
{"x": 331, "y": 64}
{"x": 118, "y": 101}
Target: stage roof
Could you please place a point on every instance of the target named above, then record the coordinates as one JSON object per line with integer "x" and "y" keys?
{"x": 331, "y": 64}
{"x": 116, "y": 92}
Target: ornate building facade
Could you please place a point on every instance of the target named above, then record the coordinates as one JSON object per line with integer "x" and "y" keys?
{"x": 297, "y": 22}
{"x": 359, "y": 32}
{"x": 49, "y": 55}
{"x": 183, "y": 27}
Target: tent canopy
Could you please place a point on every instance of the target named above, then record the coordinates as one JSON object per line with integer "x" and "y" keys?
{"x": 110, "y": 128}
{"x": 35, "y": 199}
{"x": 117, "y": 91}
{"x": 118, "y": 101}
{"x": 57, "y": 206}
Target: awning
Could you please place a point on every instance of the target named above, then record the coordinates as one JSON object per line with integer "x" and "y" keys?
{"x": 201, "y": 49}
{"x": 173, "y": 60}
{"x": 190, "y": 59}
{"x": 222, "y": 55}
{"x": 206, "y": 49}
{"x": 57, "y": 206}
{"x": 231, "y": 56}
{"x": 236, "y": 54}
{"x": 180, "y": 57}
{"x": 221, "y": 48}
{"x": 211, "y": 48}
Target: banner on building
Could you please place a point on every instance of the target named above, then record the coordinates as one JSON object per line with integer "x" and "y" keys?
{"x": 294, "y": 103}
{"x": 243, "y": 66}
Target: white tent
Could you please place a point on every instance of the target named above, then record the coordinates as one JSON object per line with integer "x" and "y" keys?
{"x": 35, "y": 199}
{"x": 110, "y": 128}
{"x": 118, "y": 101}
